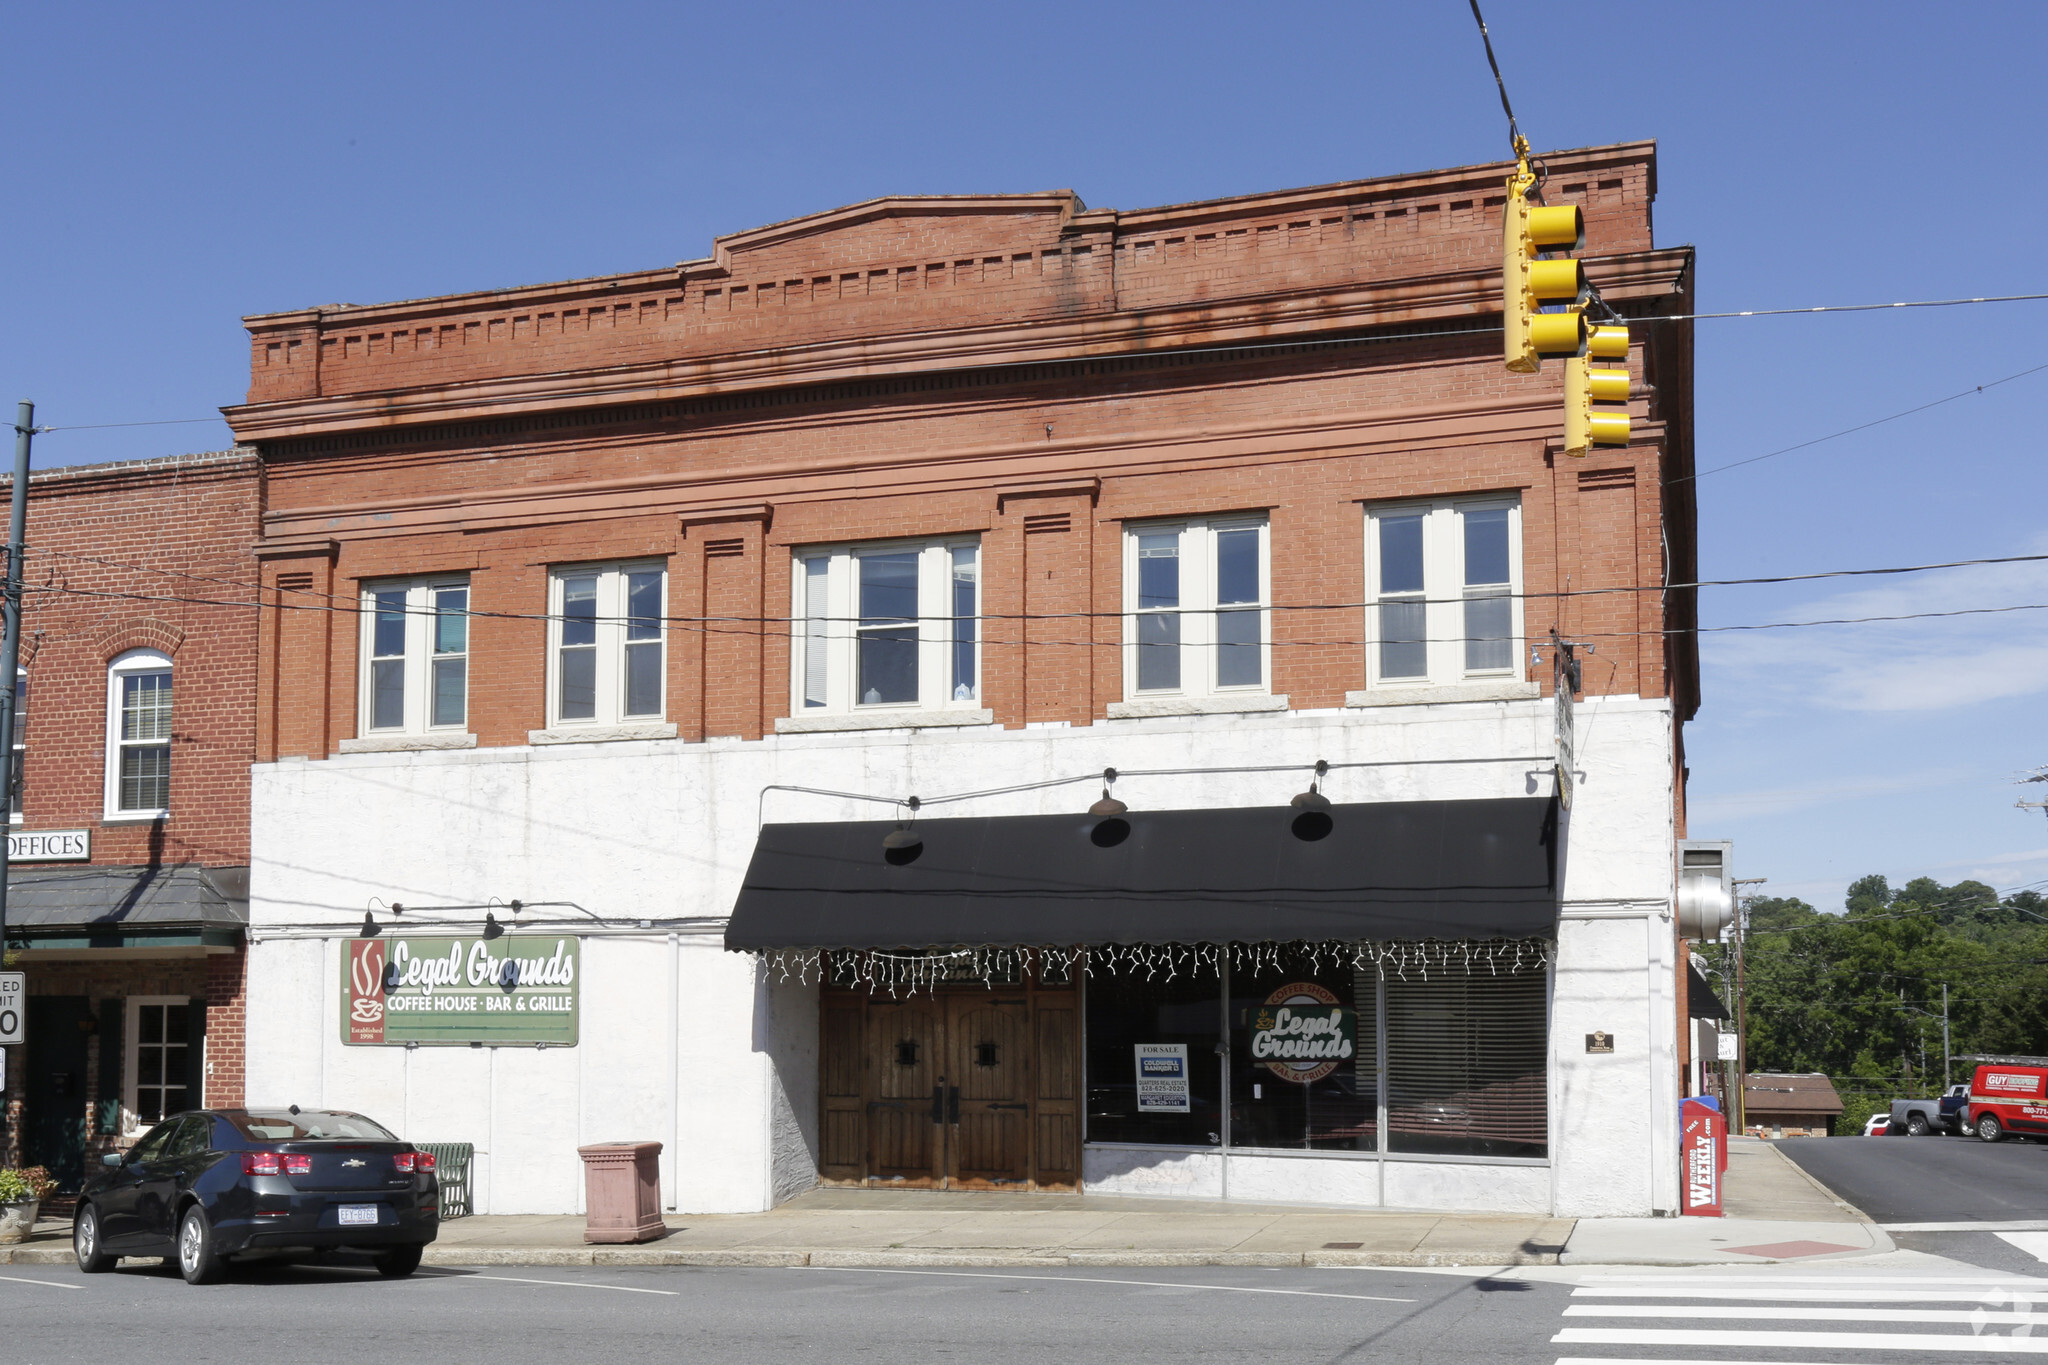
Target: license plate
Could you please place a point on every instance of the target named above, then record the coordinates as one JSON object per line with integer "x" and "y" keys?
{"x": 353, "y": 1215}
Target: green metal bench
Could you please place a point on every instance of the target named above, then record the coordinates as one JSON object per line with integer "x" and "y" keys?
{"x": 452, "y": 1161}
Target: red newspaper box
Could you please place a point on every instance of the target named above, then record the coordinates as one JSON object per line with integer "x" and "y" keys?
{"x": 1703, "y": 1156}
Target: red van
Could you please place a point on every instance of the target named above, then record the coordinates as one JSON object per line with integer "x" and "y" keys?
{"x": 2010, "y": 1096}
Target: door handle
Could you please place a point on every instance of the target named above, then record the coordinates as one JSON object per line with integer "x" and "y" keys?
{"x": 1009, "y": 1106}
{"x": 938, "y": 1104}
{"x": 952, "y": 1104}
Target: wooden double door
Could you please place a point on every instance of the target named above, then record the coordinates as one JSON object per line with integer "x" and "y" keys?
{"x": 967, "y": 1088}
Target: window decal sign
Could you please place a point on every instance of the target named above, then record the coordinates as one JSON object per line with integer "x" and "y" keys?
{"x": 1302, "y": 1033}
{"x": 518, "y": 989}
{"x": 1162, "y": 1078}
{"x": 2012, "y": 1083}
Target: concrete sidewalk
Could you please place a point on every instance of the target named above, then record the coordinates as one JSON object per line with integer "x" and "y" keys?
{"x": 1778, "y": 1214}
{"x": 1775, "y": 1212}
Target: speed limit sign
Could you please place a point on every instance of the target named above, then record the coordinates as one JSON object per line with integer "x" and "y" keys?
{"x": 13, "y": 1007}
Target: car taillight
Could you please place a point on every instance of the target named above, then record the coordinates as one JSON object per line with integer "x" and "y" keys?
{"x": 262, "y": 1163}
{"x": 298, "y": 1165}
{"x": 413, "y": 1161}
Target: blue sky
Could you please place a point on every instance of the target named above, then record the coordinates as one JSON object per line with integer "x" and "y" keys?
{"x": 174, "y": 167}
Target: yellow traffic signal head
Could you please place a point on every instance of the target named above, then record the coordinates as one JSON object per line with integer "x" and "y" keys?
{"x": 1585, "y": 425}
{"x": 1557, "y": 227}
{"x": 1528, "y": 280}
{"x": 1608, "y": 341}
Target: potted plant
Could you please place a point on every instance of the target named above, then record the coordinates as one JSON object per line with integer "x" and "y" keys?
{"x": 22, "y": 1193}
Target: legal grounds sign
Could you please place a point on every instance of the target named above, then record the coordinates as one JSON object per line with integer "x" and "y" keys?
{"x": 1301, "y": 1034}
{"x": 456, "y": 991}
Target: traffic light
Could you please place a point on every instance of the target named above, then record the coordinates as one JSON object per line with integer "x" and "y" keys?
{"x": 1584, "y": 424}
{"x": 1528, "y": 281}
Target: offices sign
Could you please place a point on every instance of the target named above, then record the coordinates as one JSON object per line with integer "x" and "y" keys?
{"x": 49, "y": 846}
{"x": 440, "y": 991}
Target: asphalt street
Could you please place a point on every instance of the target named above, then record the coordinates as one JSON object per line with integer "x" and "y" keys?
{"x": 514, "y": 1316}
{"x": 1929, "y": 1179}
{"x": 1978, "y": 1202}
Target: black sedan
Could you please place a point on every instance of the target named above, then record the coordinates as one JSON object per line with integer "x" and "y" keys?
{"x": 211, "y": 1185}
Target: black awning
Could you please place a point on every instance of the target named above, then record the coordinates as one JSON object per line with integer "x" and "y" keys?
{"x": 1700, "y": 1000}
{"x": 99, "y": 905}
{"x": 1390, "y": 870}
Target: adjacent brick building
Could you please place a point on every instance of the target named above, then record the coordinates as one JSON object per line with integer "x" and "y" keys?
{"x": 130, "y": 848}
{"x": 574, "y": 585}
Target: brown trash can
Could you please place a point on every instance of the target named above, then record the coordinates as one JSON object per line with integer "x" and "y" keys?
{"x": 622, "y": 1192}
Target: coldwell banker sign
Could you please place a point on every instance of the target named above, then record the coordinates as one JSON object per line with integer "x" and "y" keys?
{"x": 454, "y": 991}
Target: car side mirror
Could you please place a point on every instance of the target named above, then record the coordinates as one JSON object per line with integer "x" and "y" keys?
{"x": 110, "y": 1158}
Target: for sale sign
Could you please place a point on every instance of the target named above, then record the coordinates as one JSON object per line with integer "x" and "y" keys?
{"x": 455, "y": 991}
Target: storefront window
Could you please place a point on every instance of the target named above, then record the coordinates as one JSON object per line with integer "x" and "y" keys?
{"x": 1465, "y": 1060}
{"x": 1304, "y": 1056}
{"x": 1460, "y": 1071}
{"x": 1153, "y": 1075}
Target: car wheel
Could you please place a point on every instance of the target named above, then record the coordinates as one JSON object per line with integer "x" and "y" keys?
{"x": 1916, "y": 1125}
{"x": 196, "y": 1259}
{"x": 85, "y": 1242}
{"x": 1989, "y": 1128}
{"x": 395, "y": 1263}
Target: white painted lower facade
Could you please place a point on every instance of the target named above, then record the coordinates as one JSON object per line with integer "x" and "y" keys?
{"x": 704, "y": 1051}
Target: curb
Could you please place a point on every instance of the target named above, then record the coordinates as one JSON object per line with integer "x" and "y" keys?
{"x": 828, "y": 1259}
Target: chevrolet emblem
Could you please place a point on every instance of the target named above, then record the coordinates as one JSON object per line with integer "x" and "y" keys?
{"x": 352, "y": 1162}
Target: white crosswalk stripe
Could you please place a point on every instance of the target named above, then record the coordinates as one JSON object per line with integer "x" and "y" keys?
{"x": 1714, "y": 1319}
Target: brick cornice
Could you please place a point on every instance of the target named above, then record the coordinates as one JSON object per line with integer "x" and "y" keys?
{"x": 1273, "y": 318}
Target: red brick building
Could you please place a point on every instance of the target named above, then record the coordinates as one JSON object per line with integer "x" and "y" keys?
{"x": 576, "y": 582}
{"x": 130, "y": 846}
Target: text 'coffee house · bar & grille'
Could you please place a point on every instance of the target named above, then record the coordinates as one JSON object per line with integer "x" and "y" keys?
{"x": 980, "y": 692}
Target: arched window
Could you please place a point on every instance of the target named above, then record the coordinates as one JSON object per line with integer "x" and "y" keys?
{"x": 139, "y": 735}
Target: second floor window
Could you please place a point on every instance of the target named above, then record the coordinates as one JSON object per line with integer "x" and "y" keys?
{"x": 887, "y": 625}
{"x": 1196, "y": 594}
{"x": 606, "y": 642}
{"x": 139, "y": 734}
{"x": 1443, "y": 578}
{"x": 416, "y": 657}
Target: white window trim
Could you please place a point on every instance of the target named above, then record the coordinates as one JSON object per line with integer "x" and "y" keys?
{"x": 1198, "y": 619}
{"x": 611, "y": 652}
{"x": 133, "y": 661}
{"x": 1443, "y": 589}
{"x": 419, "y": 665}
{"x": 131, "y": 1071}
{"x": 935, "y": 704}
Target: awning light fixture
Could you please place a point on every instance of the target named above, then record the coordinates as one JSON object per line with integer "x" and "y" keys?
{"x": 902, "y": 844}
{"x": 1110, "y": 828}
{"x": 1312, "y": 809}
{"x": 1108, "y": 805}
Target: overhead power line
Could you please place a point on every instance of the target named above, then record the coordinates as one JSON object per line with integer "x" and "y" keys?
{"x": 354, "y": 601}
{"x": 1842, "y": 308}
{"x": 1865, "y": 426}
{"x": 786, "y": 627}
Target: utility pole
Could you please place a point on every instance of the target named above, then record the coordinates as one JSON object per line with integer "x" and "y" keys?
{"x": 1944, "y": 1039}
{"x": 1742, "y": 1005}
{"x": 10, "y": 639}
